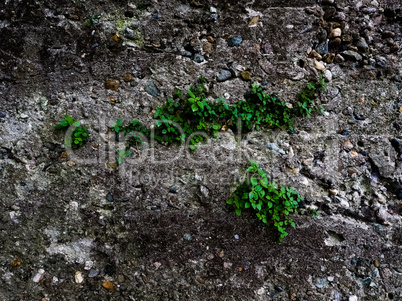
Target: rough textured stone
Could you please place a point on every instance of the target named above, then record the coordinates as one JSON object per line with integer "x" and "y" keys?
{"x": 155, "y": 243}
{"x": 236, "y": 41}
{"x": 352, "y": 55}
{"x": 151, "y": 88}
{"x": 362, "y": 44}
{"x": 224, "y": 75}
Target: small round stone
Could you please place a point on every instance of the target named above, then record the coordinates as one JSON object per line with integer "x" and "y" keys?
{"x": 110, "y": 197}
{"x": 93, "y": 273}
{"x": 198, "y": 58}
{"x": 127, "y": 77}
{"x": 246, "y": 75}
{"x": 336, "y": 32}
{"x": 112, "y": 84}
{"x": 224, "y": 75}
{"x": 236, "y": 41}
{"x": 187, "y": 237}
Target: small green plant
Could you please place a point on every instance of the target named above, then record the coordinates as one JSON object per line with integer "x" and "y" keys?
{"x": 314, "y": 213}
{"x": 123, "y": 154}
{"x": 308, "y": 97}
{"x": 260, "y": 109}
{"x": 92, "y": 20}
{"x": 142, "y": 5}
{"x": 118, "y": 125}
{"x": 272, "y": 204}
{"x": 186, "y": 114}
{"x": 134, "y": 132}
{"x": 79, "y": 135}
{"x": 322, "y": 83}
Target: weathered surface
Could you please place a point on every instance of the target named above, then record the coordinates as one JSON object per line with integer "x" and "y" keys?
{"x": 157, "y": 228}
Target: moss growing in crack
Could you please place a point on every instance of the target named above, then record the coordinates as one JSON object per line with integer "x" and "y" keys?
{"x": 122, "y": 23}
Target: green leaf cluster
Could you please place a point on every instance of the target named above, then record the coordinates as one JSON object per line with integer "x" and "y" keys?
{"x": 260, "y": 109}
{"x": 272, "y": 204}
{"x": 307, "y": 98}
{"x": 79, "y": 135}
{"x": 192, "y": 112}
{"x": 136, "y": 130}
{"x": 192, "y": 115}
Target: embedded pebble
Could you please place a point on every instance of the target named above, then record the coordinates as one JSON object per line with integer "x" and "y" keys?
{"x": 362, "y": 44}
{"x": 108, "y": 285}
{"x": 88, "y": 265}
{"x": 348, "y": 145}
{"x": 254, "y": 21}
{"x": 151, "y": 89}
{"x": 328, "y": 75}
{"x": 112, "y": 84}
{"x": 236, "y": 41}
{"x": 352, "y": 55}
{"x": 187, "y": 237}
{"x": 93, "y": 273}
{"x": 129, "y": 33}
{"x": 322, "y": 48}
{"x": 275, "y": 148}
{"x": 204, "y": 191}
{"x": 224, "y": 75}
{"x": 336, "y": 32}
{"x": 78, "y": 277}
{"x": 39, "y": 276}
{"x": 321, "y": 283}
{"x": 319, "y": 65}
{"x": 246, "y": 75}
{"x": 227, "y": 265}
{"x": 198, "y": 58}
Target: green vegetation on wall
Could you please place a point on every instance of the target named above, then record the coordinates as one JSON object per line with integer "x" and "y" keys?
{"x": 272, "y": 204}
{"x": 187, "y": 114}
{"x": 79, "y": 135}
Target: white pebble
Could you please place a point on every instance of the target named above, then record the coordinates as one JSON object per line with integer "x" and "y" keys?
{"x": 88, "y": 265}
{"x": 328, "y": 75}
{"x": 74, "y": 206}
{"x": 78, "y": 277}
{"x": 318, "y": 65}
{"x": 336, "y": 32}
{"x": 55, "y": 280}
{"x": 39, "y": 276}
